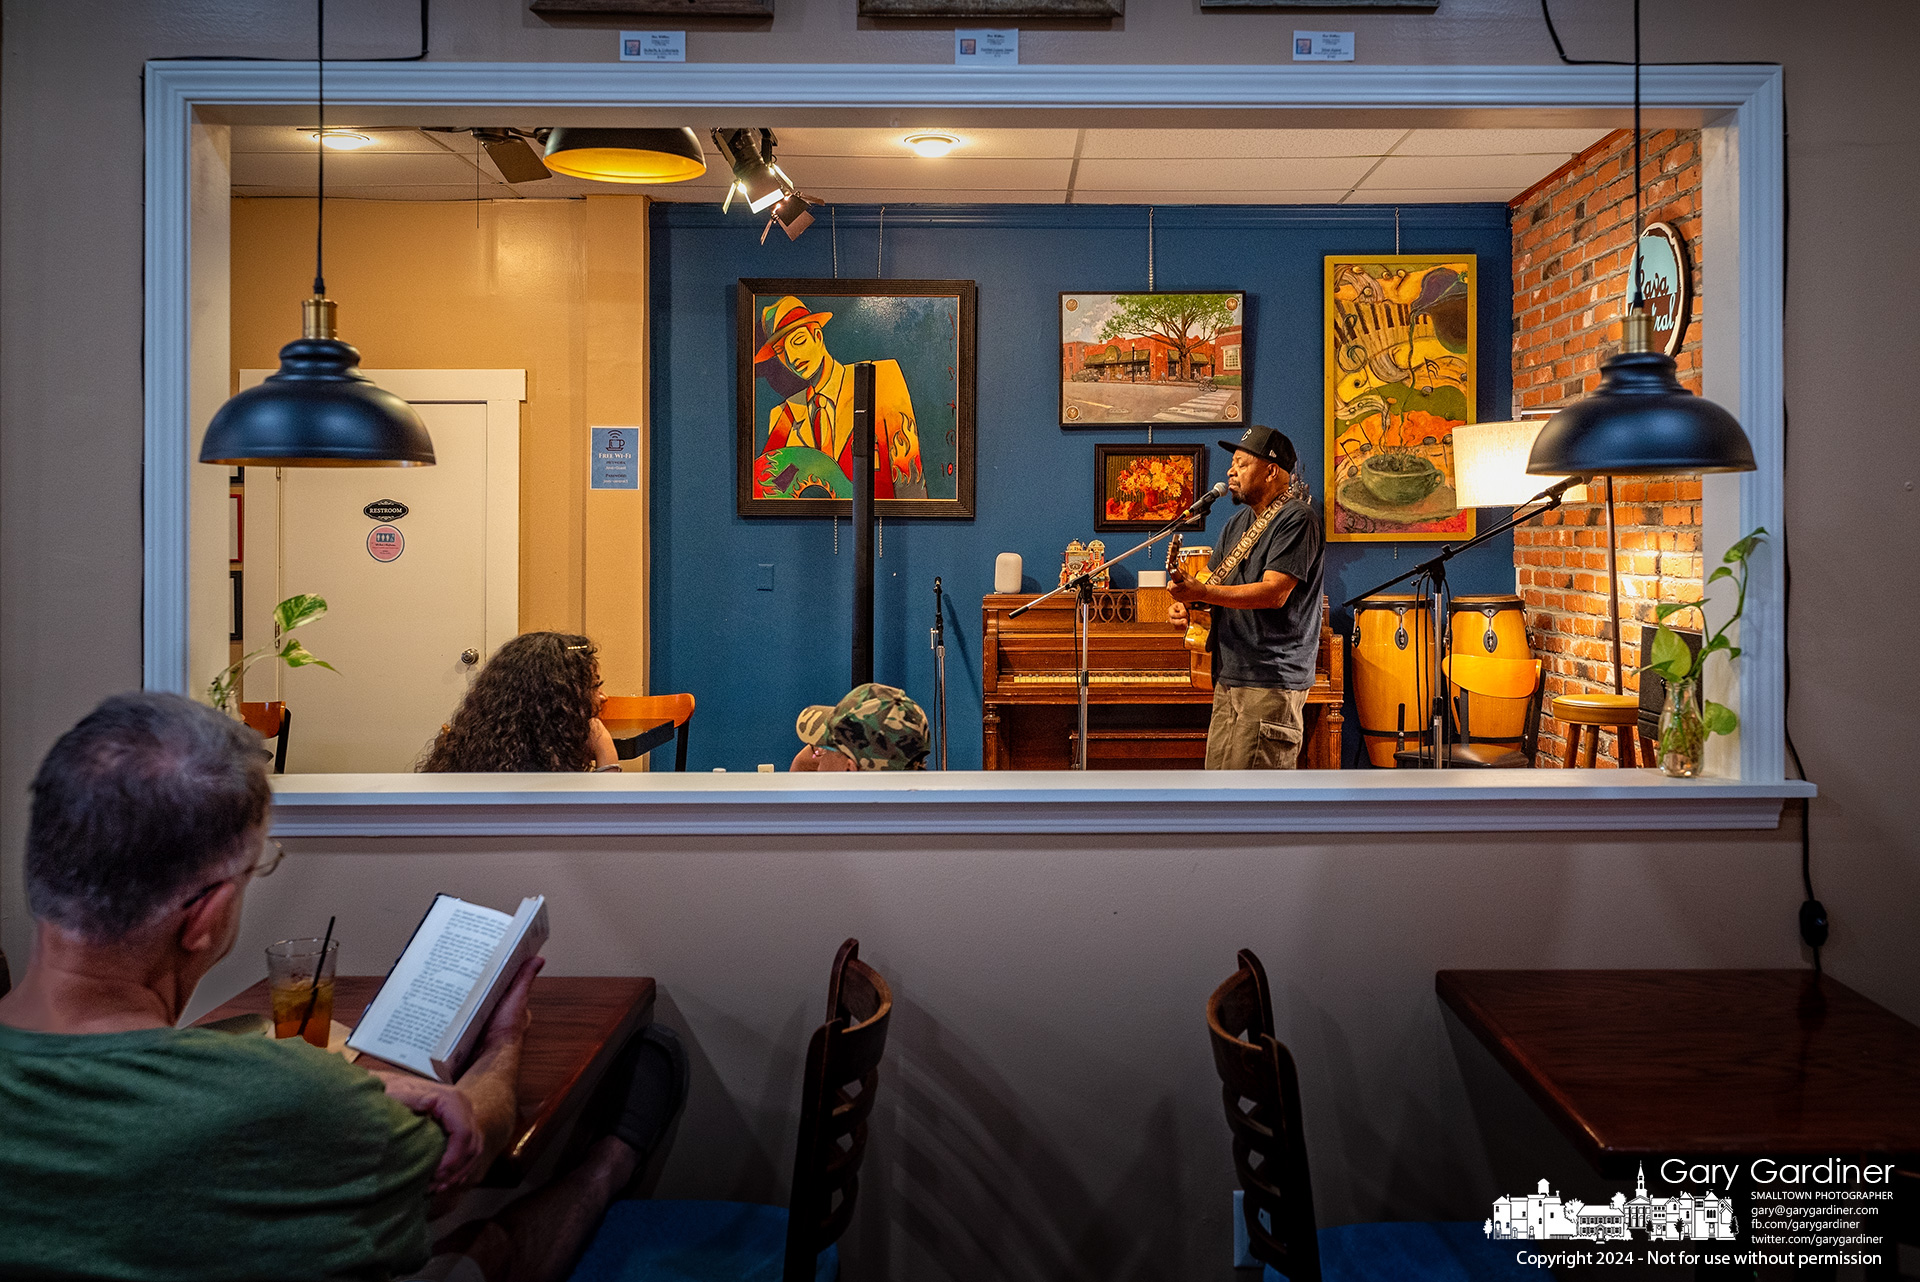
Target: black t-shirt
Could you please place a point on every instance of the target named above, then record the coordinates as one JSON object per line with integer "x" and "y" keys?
{"x": 1273, "y": 649}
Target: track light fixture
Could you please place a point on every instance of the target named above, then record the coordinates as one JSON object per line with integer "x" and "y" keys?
{"x": 794, "y": 215}
{"x": 756, "y": 178}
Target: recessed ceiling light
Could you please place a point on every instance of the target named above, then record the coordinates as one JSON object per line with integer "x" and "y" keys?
{"x": 341, "y": 139}
{"x": 931, "y": 144}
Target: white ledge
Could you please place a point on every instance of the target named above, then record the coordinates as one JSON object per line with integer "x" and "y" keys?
{"x": 1019, "y": 801}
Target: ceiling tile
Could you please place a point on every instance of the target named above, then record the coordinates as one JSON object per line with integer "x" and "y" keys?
{"x": 1168, "y": 144}
{"x": 451, "y": 195}
{"x": 1513, "y": 173}
{"x": 912, "y": 173}
{"x": 299, "y": 138}
{"x": 1429, "y": 196}
{"x": 1325, "y": 196}
{"x": 1498, "y": 142}
{"x": 1210, "y": 176}
{"x": 350, "y": 169}
{"x": 974, "y": 143}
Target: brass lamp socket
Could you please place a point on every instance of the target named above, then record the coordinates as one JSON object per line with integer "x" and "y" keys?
{"x": 317, "y": 316}
{"x": 1637, "y": 335}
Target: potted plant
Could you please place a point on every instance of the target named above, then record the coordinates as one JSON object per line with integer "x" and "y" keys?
{"x": 1686, "y": 720}
{"x": 223, "y": 692}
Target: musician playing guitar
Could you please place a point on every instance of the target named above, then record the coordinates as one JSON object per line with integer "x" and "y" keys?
{"x": 1262, "y": 592}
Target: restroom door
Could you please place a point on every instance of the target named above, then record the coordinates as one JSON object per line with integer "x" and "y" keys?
{"x": 419, "y": 567}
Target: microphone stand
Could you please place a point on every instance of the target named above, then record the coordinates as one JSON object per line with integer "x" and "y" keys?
{"x": 1081, "y": 585}
{"x": 940, "y": 672}
{"x": 1434, "y": 570}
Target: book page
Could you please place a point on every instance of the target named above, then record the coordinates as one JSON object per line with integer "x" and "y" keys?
{"x": 523, "y": 938}
{"x": 427, "y": 987}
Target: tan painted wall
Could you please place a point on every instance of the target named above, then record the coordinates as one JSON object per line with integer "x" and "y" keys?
{"x": 494, "y": 285}
{"x": 1356, "y": 925}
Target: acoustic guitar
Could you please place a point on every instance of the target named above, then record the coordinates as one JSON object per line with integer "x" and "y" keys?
{"x": 1199, "y": 617}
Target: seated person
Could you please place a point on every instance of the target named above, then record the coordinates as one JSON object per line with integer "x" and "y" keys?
{"x": 535, "y": 706}
{"x": 137, "y": 1150}
{"x": 875, "y": 727}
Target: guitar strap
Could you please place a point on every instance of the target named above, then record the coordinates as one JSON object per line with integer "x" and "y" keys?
{"x": 1232, "y": 560}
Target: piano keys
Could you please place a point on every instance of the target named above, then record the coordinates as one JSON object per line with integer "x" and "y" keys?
{"x": 1148, "y": 698}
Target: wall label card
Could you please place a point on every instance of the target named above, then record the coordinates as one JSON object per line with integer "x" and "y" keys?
{"x": 1323, "y": 46}
{"x": 616, "y": 458}
{"x": 385, "y": 543}
{"x": 653, "y": 46}
{"x": 985, "y": 47}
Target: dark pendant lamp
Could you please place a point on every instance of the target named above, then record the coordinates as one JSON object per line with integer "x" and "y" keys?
{"x": 1639, "y": 421}
{"x": 626, "y": 155}
{"x": 318, "y": 410}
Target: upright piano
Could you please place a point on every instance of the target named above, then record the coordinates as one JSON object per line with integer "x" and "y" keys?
{"x": 1149, "y": 698}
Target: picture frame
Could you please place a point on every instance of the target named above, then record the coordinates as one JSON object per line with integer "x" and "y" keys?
{"x": 1129, "y": 493}
{"x": 1401, "y": 368}
{"x": 1152, "y": 359}
{"x": 797, "y": 341}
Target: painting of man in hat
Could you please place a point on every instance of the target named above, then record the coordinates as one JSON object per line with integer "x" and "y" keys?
{"x": 798, "y": 400}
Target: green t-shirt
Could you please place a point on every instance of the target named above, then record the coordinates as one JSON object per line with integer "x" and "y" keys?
{"x": 191, "y": 1154}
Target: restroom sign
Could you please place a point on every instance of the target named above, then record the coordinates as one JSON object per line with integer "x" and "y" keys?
{"x": 616, "y": 459}
{"x": 385, "y": 543}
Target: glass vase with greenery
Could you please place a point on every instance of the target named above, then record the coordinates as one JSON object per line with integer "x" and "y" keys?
{"x": 1687, "y": 720}
{"x": 223, "y": 692}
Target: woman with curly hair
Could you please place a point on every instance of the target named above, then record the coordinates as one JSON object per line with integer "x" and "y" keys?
{"x": 532, "y": 708}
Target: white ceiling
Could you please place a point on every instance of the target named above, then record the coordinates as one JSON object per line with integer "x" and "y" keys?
{"x": 994, "y": 166}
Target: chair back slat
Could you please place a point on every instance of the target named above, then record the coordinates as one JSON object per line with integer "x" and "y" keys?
{"x": 842, "y": 1078}
{"x": 1260, "y": 1091}
{"x": 271, "y": 721}
{"x": 677, "y": 708}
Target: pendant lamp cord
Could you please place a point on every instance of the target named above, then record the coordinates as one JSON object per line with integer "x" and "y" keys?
{"x": 320, "y": 148}
{"x": 1637, "y": 300}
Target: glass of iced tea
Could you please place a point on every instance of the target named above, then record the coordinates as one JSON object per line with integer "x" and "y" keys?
{"x": 300, "y": 977}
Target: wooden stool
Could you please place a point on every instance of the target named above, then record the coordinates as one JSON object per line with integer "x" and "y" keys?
{"x": 1620, "y": 711}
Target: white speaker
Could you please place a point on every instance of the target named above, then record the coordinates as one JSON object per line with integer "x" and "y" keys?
{"x": 1006, "y": 572}
{"x": 1150, "y": 579}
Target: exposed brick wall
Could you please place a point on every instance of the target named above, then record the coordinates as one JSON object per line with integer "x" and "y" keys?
{"x": 1572, "y": 250}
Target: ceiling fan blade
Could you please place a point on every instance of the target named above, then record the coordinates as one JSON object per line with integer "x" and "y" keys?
{"x": 516, "y": 161}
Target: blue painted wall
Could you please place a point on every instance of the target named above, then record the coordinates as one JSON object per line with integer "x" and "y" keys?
{"x": 754, "y": 657}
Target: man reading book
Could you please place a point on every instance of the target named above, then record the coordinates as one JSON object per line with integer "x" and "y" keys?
{"x": 134, "y": 1149}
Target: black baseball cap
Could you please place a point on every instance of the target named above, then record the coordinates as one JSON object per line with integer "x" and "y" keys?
{"x": 1264, "y": 442}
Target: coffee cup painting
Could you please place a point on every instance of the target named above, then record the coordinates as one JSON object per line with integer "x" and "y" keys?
{"x": 1400, "y": 371}
{"x": 800, "y": 343}
{"x": 1145, "y": 359}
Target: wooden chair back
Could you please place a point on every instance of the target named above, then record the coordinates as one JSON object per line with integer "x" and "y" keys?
{"x": 270, "y": 721}
{"x": 1261, "y": 1093}
{"x": 677, "y": 708}
{"x": 843, "y": 1061}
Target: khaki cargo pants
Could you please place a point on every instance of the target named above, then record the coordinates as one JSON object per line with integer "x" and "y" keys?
{"x": 1255, "y": 729}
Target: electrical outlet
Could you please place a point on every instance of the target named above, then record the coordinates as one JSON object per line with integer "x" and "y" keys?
{"x": 765, "y": 583}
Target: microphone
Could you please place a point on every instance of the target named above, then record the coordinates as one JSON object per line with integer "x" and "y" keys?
{"x": 1207, "y": 500}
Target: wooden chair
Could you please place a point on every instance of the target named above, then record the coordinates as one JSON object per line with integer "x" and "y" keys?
{"x": 271, "y": 721}
{"x": 652, "y": 708}
{"x": 1261, "y": 1092}
{"x": 744, "y": 1242}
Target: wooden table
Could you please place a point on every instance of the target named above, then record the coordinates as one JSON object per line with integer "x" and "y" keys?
{"x": 580, "y": 1023}
{"x": 1638, "y": 1064}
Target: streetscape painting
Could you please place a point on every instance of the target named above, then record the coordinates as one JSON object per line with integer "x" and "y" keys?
{"x": 1400, "y": 377}
{"x": 1148, "y": 359}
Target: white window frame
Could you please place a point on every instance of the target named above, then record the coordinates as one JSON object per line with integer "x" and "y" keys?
{"x": 1740, "y": 111}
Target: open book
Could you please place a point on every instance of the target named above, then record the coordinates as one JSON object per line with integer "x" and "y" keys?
{"x": 440, "y": 994}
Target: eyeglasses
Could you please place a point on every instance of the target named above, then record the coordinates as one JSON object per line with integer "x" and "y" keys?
{"x": 271, "y": 853}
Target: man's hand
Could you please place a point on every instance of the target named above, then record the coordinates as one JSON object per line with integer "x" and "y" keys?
{"x": 460, "y": 1165}
{"x": 1183, "y": 587}
{"x": 1177, "y": 615}
{"x": 512, "y": 1016}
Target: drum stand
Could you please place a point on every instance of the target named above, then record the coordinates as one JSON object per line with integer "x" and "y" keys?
{"x": 1434, "y": 570}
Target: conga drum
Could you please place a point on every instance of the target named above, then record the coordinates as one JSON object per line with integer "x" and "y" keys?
{"x": 1490, "y": 632}
{"x": 1392, "y": 672}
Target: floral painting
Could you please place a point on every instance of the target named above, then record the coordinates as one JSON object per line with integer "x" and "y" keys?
{"x": 1400, "y": 377}
{"x": 1142, "y": 487}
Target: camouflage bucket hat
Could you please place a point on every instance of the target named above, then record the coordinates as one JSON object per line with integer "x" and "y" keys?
{"x": 878, "y": 726}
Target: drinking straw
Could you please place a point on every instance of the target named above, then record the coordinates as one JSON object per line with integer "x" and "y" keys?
{"x": 313, "y": 998}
